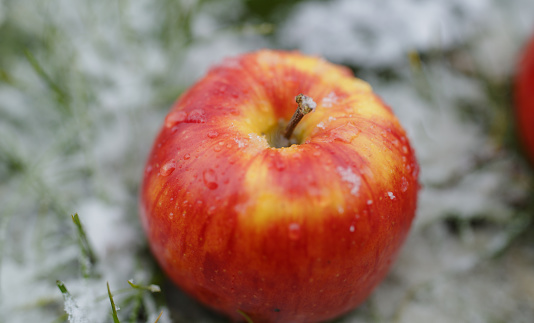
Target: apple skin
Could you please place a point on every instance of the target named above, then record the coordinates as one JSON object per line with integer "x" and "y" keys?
{"x": 296, "y": 234}
{"x": 524, "y": 97}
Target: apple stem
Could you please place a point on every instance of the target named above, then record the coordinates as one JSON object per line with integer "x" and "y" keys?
{"x": 305, "y": 106}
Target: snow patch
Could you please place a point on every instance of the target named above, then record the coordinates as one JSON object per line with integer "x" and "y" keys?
{"x": 75, "y": 313}
{"x": 380, "y": 32}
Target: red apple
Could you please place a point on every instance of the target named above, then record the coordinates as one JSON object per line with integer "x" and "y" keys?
{"x": 524, "y": 95}
{"x": 291, "y": 234}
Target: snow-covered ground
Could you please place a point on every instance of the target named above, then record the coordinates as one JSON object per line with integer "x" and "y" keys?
{"x": 85, "y": 85}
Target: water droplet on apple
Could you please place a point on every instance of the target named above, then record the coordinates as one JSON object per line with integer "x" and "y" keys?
{"x": 294, "y": 231}
{"x": 404, "y": 184}
{"x": 213, "y": 134}
{"x": 148, "y": 169}
{"x": 211, "y": 210}
{"x": 279, "y": 164}
{"x": 167, "y": 168}
{"x": 415, "y": 171}
{"x": 234, "y": 111}
{"x": 175, "y": 118}
{"x": 187, "y": 156}
{"x": 217, "y": 148}
{"x": 352, "y": 228}
{"x": 171, "y": 216}
{"x": 210, "y": 179}
{"x": 196, "y": 116}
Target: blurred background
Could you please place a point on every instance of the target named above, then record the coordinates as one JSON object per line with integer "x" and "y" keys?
{"x": 85, "y": 86}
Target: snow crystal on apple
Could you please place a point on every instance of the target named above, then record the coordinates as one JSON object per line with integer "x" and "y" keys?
{"x": 240, "y": 143}
{"x": 347, "y": 175}
{"x": 260, "y": 140}
{"x": 329, "y": 100}
{"x": 307, "y": 101}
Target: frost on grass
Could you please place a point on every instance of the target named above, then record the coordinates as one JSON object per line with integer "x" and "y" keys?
{"x": 374, "y": 33}
{"x": 348, "y": 175}
{"x": 80, "y": 110}
{"x": 76, "y": 315}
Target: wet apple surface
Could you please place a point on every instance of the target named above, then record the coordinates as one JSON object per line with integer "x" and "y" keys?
{"x": 299, "y": 233}
{"x": 524, "y": 95}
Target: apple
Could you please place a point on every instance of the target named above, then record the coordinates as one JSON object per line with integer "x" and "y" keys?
{"x": 524, "y": 97}
{"x": 251, "y": 211}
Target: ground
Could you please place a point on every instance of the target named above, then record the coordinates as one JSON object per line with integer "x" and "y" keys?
{"x": 84, "y": 87}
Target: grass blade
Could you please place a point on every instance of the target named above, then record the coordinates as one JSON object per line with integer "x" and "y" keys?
{"x": 245, "y": 316}
{"x": 159, "y": 316}
{"x": 152, "y": 288}
{"x": 88, "y": 256}
{"x": 61, "y": 95}
{"x": 113, "y": 307}
{"x": 62, "y": 288}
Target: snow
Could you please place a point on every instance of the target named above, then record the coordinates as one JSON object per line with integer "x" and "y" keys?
{"x": 121, "y": 77}
{"x": 380, "y": 32}
{"x": 76, "y": 315}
